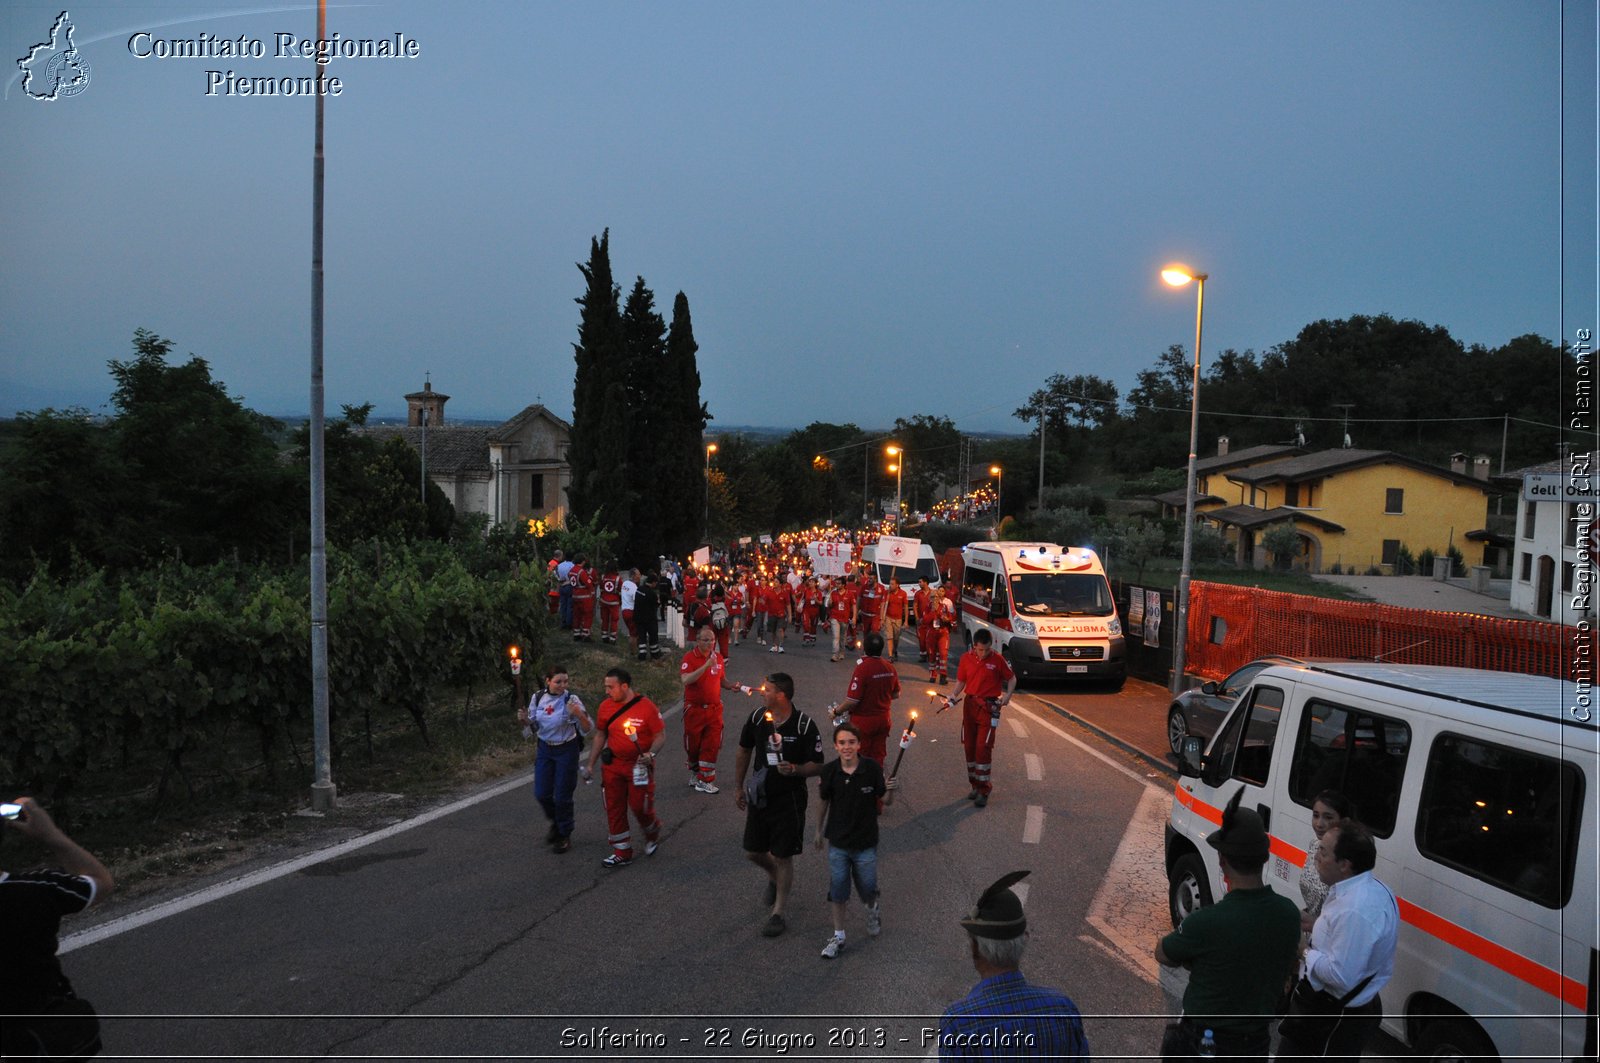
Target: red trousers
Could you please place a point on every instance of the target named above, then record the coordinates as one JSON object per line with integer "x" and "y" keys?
{"x": 621, "y": 797}
{"x": 874, "y": 735}
{"x": 722, "y": 634}
{"x": 702, "y": 740}
{"x": 977, "y": 738}
{"x": 608, "y": 617}
{"x": 939, "y": 653}
{"x": 582, "y": 614}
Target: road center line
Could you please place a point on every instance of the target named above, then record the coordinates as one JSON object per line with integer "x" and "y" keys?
{"x": 1033, "y": 828}
{"x": 1035, "y": 766}
{"x": 1017, "y": 727}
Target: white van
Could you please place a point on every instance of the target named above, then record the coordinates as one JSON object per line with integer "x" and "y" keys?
{"x": 926, "y": 567}
{"x": 1048, "y": 607}
{"x": 1480, "y": 789}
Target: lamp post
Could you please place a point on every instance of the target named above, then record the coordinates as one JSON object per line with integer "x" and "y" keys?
{"x": 711, "y": 448}
{"x": 897, "y": 453}
{"x": 999, "y": 484}
{"x": 1177, "y": 276}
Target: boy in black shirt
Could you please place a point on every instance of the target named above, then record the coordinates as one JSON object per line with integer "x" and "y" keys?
{"x": 853, "y": 791}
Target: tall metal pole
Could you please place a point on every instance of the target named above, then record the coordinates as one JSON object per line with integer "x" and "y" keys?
{"x": 866, "y": 466}
{"x": 1040, "y": 504}
{"x": 1180, "y": 634}
{"x": 899, "y": 467}
{"x": 323, "y": 793}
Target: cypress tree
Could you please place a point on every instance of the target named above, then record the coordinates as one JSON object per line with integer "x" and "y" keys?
{"x": 643, "y": 334}
{"x": 597, "y": 354}
{"x": 679, "y": 440}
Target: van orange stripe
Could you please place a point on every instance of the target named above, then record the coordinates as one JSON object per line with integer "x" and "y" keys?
{"x": 1569, "y": 990}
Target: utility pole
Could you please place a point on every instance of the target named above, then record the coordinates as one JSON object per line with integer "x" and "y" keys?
{"x": 323, "y": 793}
{"x": 1040, "y": 503}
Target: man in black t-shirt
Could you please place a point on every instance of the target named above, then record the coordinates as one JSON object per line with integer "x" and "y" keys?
{"x": 785, "y": 741}
{"x": 31, "y": 906}
{"x": 853, "y": 791}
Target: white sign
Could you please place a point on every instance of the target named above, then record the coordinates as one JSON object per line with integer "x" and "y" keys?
{"x": 830, "y": 559}
{"x": 702, "y": 557}
{"x": 1561, "y": 487}
{"x": 898, "y": 551}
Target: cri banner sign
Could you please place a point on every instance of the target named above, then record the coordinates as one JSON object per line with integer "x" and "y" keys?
{"x": 830, "y": 559}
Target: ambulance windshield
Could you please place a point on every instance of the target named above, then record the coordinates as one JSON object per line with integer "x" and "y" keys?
{"x": 1062, "y": 594}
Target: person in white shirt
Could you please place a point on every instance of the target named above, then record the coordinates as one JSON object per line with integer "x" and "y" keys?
{"x": 630, "y": 591}
{"x": 1350, "y": 957}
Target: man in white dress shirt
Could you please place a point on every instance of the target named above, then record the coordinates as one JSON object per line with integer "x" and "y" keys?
{"x": 1351, "y": 953}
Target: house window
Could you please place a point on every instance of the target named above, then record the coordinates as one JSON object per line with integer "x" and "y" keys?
{"x": 1291, "y": 494}
{"x": 1391, "y": 551}
{"x": 1394, "y": 500}
{"x": 1566, "y": 577}
{"x": 1527, "y": 568}
{"x": 535, "y": 492}
{"x": 1529, "y": 510}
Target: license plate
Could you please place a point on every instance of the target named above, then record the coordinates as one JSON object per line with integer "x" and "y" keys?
{"x": 1077, "y": 668}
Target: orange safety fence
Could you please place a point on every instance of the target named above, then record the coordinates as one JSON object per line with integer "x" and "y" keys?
{"x": 1230, "y": 626}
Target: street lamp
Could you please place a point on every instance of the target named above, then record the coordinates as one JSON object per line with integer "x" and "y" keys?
{"x": 711, "y": 448}
{"x": 895, "y": 467}
{"x": 1178, "y": 275}
{"x": 999, "y": 484}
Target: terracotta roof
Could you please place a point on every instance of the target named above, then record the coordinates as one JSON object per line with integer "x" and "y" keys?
{"x": 1559, "y": 465}
{"x": 452, "y": 449}
{"x": 1251, "y": 517}
{"x": 509, "y": 428}
{"x": 1327, "y": 462}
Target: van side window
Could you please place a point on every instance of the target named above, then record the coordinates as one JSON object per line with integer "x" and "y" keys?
{"x": 1362, "y": 754}
{"x": 977, "y": 585}
{"x": 1251, "y": 760}
{"x": 1502, "y": 815}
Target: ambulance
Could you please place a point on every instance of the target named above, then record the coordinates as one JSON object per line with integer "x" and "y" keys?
{"x": 1481, "y": 791}
{"x": 1048, "y": 607}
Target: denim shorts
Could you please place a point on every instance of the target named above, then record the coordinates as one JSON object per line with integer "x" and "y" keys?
{"x": 847, "y": 864}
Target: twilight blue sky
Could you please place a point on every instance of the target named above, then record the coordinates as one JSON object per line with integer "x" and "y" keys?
{"x": 876, "y": 209}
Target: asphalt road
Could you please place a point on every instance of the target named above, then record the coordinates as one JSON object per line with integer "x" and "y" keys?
{"x": 465, "y": 936}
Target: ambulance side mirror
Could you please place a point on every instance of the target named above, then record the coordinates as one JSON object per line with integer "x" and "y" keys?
{"x": 1189, "y": 758}
{"x": 997, "y": 611}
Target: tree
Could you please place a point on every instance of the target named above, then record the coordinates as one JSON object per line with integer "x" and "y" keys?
{"x": 57, "y": 491}
{"x": 933, "y": 452}
{"x": 598, "y": 356}
{"x": 680, "y": 457}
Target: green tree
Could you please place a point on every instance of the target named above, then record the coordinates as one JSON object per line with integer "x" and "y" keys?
{"x": 58, "y": 484}
{"x": 598, "y": 356}
{"x": 680, "y": 457}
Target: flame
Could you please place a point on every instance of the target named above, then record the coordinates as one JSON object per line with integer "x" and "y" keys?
{"x": 513, "y": 651}
{"x": 913, "y": 715}
{"x": 767, "y": 716}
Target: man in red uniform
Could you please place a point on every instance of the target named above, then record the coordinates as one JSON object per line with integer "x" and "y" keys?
{"x": 987, "y": 680}
{"x": 555, "y": 583}
{"x": 841, "y": 612}
{"x": 610, "y": 602}
{"x": 895, "y": 609}
{"x": 941, "y": 622}
{"x": 704, "y": 675}
{"x": 776, "y": 597}
{"x": 735, "y": 602}
{"x": 810, "y": 608}
{"x": 581, "y": 580}
{"x": 869, "y": 605}
{"x": 631, "y": 734}
{"x": 873, "y": 687}
{"x": 922, "y": 616}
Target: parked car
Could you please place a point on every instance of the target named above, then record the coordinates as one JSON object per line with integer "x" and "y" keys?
{"x": 1200, "y": 711}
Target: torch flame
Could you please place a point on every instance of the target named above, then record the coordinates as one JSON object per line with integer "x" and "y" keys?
{"x": 513, "y": 651}
{"x": 767, "y": 716}
{"x": 913, "y": 715}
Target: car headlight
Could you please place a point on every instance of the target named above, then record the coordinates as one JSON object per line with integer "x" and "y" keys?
{"x": 1114, "y": 627}
{"x": 1020, "y": 626}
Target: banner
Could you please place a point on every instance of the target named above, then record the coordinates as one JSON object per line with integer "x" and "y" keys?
{"x": 1152, "y": 617}
{"x": 1135, "y": 624}
{"x": 898, "y": 551}
{"x": 830, "y": 559}
{"x": 702, "y": 557}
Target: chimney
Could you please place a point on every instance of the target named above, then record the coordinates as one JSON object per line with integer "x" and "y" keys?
{"x": 1480, "y": 467}
{"x": 1458, "y": 463}
{"x": 1222, "y": 446}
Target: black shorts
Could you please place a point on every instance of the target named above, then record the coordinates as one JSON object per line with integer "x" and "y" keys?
{"x": 779, "y": 829}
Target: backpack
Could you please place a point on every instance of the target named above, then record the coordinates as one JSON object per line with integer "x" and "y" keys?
{"x": 719, "y": 615}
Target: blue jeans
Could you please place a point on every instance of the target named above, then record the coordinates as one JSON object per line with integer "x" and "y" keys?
{"x": 555, "y": 776}
{"x": 566, "y": 605}
{"x": 860, "y": 865}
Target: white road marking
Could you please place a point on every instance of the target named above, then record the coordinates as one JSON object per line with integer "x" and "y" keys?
{"x": 1017, "y": 727}
{"x": 1035, "y": 766}
{"x": 1164, "y": 791}
{"x": 1033, "y": 827}
{"x": 1130, "y": 908}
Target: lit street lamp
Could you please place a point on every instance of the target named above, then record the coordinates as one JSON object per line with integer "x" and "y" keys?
{"x": 1177, "y": 276}
{"x": 999, "y": 484}
{"x": 895, "y": 467}
{"x": 711, "y": 448}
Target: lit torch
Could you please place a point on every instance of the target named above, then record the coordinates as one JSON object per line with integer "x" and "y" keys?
{"x": 905, "y": 743}
{"x": 774, "y": 741}
{"x": 515, "y": 655}
{"x": 947, "y": 701}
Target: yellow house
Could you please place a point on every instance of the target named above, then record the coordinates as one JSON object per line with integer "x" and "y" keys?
{"x": 1357, "y": 508}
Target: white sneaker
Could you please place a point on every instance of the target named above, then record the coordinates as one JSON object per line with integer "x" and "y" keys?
{"x": 651, "y": 847}
{"x": 706, "y": 787}
{"x": 831, "y": 949}
{"x": 874, "y": 919}
{"x": 776, "y": 649}
{"x": 780, "y": 649}
{"x": 694, "y": 779}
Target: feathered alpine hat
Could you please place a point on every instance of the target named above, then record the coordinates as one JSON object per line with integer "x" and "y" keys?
{"x": 1242, "y": 834}
{"x": 998, "y": 914}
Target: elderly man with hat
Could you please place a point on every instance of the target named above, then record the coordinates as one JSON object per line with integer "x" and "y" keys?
{"x": 1239, "y": 952}
{"x": 1004, "y": 1015}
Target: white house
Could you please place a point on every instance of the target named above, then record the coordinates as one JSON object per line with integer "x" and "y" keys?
{"x": 1557, "y": 545}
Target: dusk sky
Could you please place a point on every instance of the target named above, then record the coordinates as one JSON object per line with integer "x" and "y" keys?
{"x": 875, "y": 209}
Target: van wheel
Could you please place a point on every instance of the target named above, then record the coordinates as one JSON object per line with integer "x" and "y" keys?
{"x": 1188, "y": 888}
{"x": 1455, "y": 1041}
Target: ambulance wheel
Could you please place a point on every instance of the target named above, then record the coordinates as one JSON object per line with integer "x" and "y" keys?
{"x": 1455, "y": 1041}
{"x": 1188, "y": 888}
